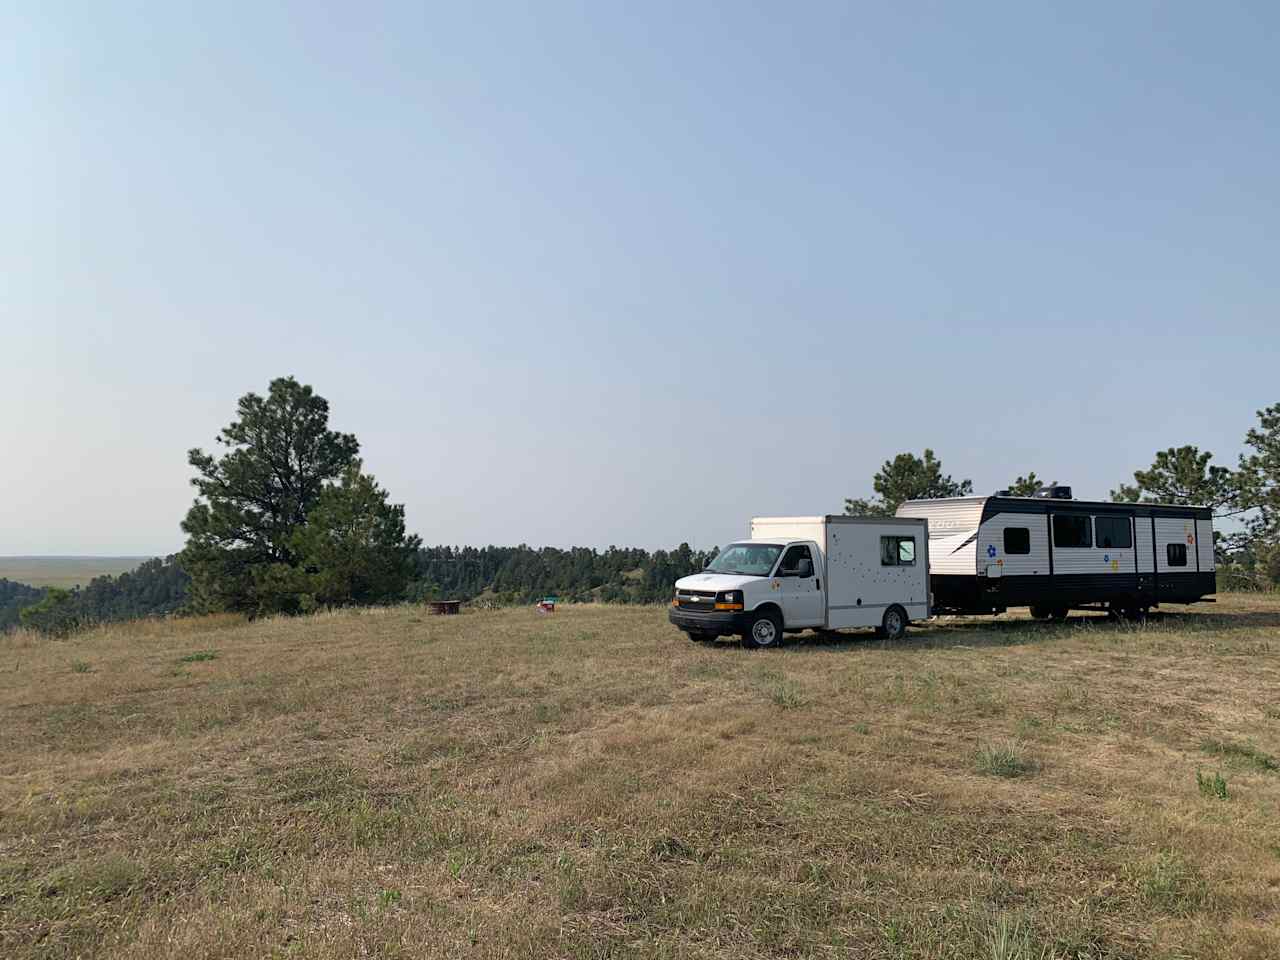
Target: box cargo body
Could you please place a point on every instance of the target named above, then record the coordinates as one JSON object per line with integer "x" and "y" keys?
{"x": 859, "y": 586}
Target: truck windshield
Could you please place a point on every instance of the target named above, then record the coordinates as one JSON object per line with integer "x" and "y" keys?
{"x": 746, "y": 559}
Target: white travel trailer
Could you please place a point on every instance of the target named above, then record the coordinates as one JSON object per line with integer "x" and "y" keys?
{"x": 802, "y": 573}
{"x": 1054, "y": 554}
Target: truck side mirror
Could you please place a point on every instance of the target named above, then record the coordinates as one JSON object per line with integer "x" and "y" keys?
{"x": 804, "y": 569}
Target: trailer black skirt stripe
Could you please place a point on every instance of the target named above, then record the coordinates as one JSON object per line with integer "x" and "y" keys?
{"x": 985, "y": 594}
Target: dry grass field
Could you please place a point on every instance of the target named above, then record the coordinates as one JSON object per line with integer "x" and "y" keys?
{"x": 64, "y": 571}
{"x": 591, "y": 784}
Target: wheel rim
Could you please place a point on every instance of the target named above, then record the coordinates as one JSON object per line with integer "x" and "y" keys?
{"x": 763, "y": 632}
{"x": 893, "y": 622}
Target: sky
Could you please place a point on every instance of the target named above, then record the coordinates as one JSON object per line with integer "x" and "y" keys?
{"x": 619, "y": 273}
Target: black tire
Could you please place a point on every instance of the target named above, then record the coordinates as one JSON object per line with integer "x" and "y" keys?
{"x": 1049, "y": 613}
{"x": 1135, "y": 614}
{"x": 894, "y": 624}
{"x": 764, "y": 630}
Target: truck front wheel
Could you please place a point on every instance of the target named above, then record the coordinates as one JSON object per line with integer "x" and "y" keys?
{"x": 764, "y": 630}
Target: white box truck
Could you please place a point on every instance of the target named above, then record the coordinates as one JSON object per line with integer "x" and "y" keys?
{"x": 809, "y": 573}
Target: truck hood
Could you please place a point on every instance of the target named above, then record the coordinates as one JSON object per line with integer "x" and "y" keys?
{"x": 715, "y": 581}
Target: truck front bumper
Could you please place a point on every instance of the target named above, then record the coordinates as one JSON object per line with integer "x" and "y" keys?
{"x": 713, "y": 623}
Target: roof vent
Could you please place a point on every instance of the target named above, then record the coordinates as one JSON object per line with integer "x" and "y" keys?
{"x": 1003, "y": 493}
{"x": 1054, "y": 491}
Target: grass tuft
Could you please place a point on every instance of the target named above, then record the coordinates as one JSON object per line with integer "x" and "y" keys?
{"x": 669, "y": 848}
{"x": 786, "y": 694}
{"x": 1212, "y": 786}
{"x": 1004, "y": 759}
{"x": 1009, "y": 937}
{"x": 200, "y": 656}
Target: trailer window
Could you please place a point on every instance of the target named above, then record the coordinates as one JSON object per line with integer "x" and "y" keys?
{"x": 1071, "y": 530}
{"x": 1113, "y": 532}
{"x": 897, "y": 551}
{"x": 1177, "y": 554}
{"x": 1017, "y": 540}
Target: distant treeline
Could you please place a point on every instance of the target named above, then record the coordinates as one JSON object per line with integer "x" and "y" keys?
{"x": 157, "y": 587}
{"x": 523, "y": 573}
{"x": 501, "y": 575}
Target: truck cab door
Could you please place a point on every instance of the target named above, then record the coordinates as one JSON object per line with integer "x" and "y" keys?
{"x": 799, "y": 589}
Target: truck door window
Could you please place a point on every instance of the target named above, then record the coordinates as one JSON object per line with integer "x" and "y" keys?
{"x": 791, "y": 561}
{"x": 897, "y": 551}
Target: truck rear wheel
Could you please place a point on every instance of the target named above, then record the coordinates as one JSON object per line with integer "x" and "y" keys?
{"x": 765, "y": 630}
{"x": 894, "y": 624}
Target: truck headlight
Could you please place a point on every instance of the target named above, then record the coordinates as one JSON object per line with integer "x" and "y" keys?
{"x": 729, "y": 600}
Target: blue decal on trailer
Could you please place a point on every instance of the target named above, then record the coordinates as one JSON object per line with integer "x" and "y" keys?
{"x": 991, "y": 550}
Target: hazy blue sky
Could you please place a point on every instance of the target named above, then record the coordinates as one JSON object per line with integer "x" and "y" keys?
{"x": 628, "y": 273}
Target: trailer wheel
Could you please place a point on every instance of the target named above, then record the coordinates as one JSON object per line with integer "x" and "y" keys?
{"x": 1134, "y": 613}
{"x": 894, "y": 625}
{"x": 1048, "y": 613}
{"x": 765, "y": 630}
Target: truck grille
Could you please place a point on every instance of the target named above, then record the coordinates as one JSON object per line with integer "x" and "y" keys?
{"x": 696, "y": 599}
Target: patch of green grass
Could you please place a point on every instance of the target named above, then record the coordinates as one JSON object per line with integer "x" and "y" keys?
{"x": 200, "y": 656}
{"x": 1029, "y": 725}
{"x": 548, "y": 712}
{"x": 81, "y": 666}
{"x": 104, "y": 879}
{"x": 1243, "y": 752}
{"x": 1004, "y": 759}
{"x": 1215, "y": 786}
{"x": 389, "y": 897}
{"x": 1171, "y": 886}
